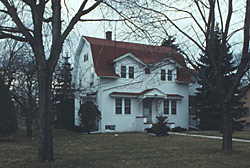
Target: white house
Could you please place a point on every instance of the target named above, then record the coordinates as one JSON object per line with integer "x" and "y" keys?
{"x": 131, "y": 83}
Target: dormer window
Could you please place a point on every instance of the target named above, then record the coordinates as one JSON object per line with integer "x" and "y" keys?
{"x": 147, "y": 71}
{"x": 170, "y": 75}
{"x": 163, "y": 74}
{"x": 131, "y": 72}
{"x": 123, "y": 71}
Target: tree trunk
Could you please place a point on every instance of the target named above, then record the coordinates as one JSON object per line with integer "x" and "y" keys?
{"x": 227, "y": 129}
{"x": 45, "y": 124}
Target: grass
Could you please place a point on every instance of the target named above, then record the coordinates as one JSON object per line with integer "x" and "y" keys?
{"x": 139, "y": 150}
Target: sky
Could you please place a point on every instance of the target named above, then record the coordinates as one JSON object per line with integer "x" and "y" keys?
{"x": 98, "y": 29}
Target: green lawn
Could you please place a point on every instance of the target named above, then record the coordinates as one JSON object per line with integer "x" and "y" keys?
{"x": 133, "y": 150}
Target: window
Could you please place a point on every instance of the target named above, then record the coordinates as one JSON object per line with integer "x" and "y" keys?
{"x": 166, "y": 107}
{"x": 110, "y": 127}
{"x": 163, "y": 74}
{"x": 127, "y": 106}
{"x": 118, "y": 106}
{"x": 170, "y": 75}
{"x": 123, "y": 71}
{"x": 85, "y": 57}
{"x": 131, "y": 72}
{"x": 147, "y": 71}
{"x": 173, "y": 107}
{"x": 170, "y": 107}
{"x": 122, "y": 106}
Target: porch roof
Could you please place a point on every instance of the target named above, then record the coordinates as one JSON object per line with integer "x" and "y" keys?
{"x": 148, "y": 93}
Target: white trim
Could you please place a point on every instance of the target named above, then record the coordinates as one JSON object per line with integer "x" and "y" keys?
{"x": 123, "y": 96}
{"x": 113, "y": 77}
{"x": 128, "y": 55}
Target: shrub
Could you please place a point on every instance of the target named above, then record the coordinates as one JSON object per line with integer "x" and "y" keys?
{"x": 89, "y": 116}
{"x": 160, "y": 128}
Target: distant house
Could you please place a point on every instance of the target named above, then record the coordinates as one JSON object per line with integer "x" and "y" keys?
{"x": 245, "y": 97}
{"x": 131, "y": 83}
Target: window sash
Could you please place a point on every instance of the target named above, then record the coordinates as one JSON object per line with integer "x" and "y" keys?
{"x": 170, "y": 75}
{"x": 131, "y": 72}
{"x": 123, "y": 71}
{"x": 166, "y": 107}
{"x": 127, "y": 106}
{"x": 173, "y": 107}
{"x": 118, "y": 106}
{"x": 147, "y": 71}
{"x": 163, "y": 74}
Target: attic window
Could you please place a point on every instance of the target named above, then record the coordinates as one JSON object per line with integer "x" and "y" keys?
{"x": 170, "y": 75}
{"x": 163, "y": 74}
{"x": 86, "y": 57}
{"x": 123, "y": 71}
{"x": 131, "y": 72}
{"x": 147, "y": 71}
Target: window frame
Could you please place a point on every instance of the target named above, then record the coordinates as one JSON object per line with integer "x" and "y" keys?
{"x": 123, "y": 71}
{"x": 147, "y": 70}
{"x": 170, "y": 75}
{"x": 173, "y": 108}
{"x": 163, "y": 74}
{"x": 86, "y": 57}
{"x": 118, "y": 106}
{"x": 127, "y": 106}
{"x": 131, "y": 72}
{"x": 166, "y": 106}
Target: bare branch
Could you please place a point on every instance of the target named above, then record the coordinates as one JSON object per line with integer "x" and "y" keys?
{"x": 6, "y": 36}
{"x": 101, "y": 20}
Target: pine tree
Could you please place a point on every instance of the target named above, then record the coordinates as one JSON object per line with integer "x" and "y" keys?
{"x": 208, "y": 108}
{"x": 169, "y": 41}
{"x": 8, "y": 119}
{"x": 89, "y": 116}
{"x": 64, "y": 97}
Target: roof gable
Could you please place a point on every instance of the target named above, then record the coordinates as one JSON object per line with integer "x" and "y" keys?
{"x": 128, "y": 55}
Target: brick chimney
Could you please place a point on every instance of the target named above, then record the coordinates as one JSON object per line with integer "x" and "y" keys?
{"x": 109, "y": 35}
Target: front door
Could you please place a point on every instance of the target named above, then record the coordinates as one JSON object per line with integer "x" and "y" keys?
{"x": 147, "y": 109}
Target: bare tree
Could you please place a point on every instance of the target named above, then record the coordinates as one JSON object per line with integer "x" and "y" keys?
{"x": 195, "y": 21}
{"x": 42, "y": 15}
{"x": 19, "y": 72}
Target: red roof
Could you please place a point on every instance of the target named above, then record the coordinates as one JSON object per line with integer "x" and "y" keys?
{"x": 130, "y": 93}
{"x": 144, "y": 92}
{"x": 174, "y": 96}
{"x": 105, "y": 51}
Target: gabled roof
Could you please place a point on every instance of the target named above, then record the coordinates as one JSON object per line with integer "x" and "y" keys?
{"x": 104, "y": 52}
{"x": 128, "y": 55}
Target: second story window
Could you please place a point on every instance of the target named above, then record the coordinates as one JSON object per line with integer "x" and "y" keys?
{"x": 147, "y": 71}
{"x": 170, "y": 75}
{"x": 123, "y": 71}
{"x": 163, "y": 74}
{"x": 131, "y": 72}
{"x": 86, "y": 57}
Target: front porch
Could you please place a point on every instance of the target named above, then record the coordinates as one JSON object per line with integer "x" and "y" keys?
{"x": 146, "y": 106}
